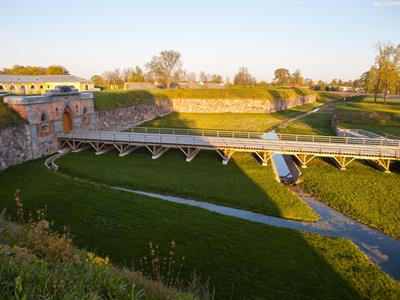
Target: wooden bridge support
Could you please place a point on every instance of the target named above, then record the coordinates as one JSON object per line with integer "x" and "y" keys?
{"x": 343, "y": 161}
{"x": 157, "y": 151}
{"x": 190, "y": 153}
{"x": 264, "y": 157}
{"x": 384, "y": 164}
{"x": 105, "y": 149}
{"x": 226, "y": 155}
{"x": 125, "y": 150}
{"x": 304, "y": 159}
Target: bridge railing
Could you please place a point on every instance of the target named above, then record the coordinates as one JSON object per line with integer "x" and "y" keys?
{"x": 269, "y": 136}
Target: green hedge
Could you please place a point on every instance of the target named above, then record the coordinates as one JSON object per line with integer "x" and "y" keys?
{"x": 8, "y": 117}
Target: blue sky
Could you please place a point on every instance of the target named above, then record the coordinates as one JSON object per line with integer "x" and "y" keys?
{"x": 324, "y": 39}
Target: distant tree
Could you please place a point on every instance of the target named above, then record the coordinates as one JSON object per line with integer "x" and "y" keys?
{"x": 297, "y": 79}
{"x": 203, "y": 76}
{"x": 282, "y": 77}
{"x": 98, "y": 81}
{"x": 113, "y": 79}
{"x": 243, "y": 77}
{"x": 309, "y": 82}
{"x": 134, "y": 75}
{"x": 36, "y": 70}
{"x": 166, "y": 67}
{"x": 387, "y": 66}
{"x": 56, "y": 70}
{"x": 216, "y": 78}
{"x": 334, "y": 83}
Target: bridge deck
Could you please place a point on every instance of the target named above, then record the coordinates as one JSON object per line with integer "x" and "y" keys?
{"x": 227, "y": 142}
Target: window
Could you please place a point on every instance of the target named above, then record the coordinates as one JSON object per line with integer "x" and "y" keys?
{"x": 57, "y": 111}
{"x": 86, "y": 87}
{"x": 41, "y": 86}
{"x": 12, "y": 88}
{"x": 48, "y": 86}
{"x": 85, "y": 110}
{"x": 43, "y": 118}
{"x": 76, "y": 107}
{"x": 33, "y": 87}
{"x": 1, "y": 87}
{"x": 44, "y": 126}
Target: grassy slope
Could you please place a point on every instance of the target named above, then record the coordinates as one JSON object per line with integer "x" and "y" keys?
{"x": 8, "y": 117}
{"x": 362, "y": 192}
{"x": 230, "y": 121}
{"x": 243, "y": 183}
{"x": 243, "y": 259}
{"x": 363, "y": 112}
{"x": 46, "y": 271}
{"x": 113, "y": 99}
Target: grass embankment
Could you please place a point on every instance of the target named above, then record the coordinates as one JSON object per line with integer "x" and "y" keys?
{"x": 113, "y": 99}
{"x": 361, "y": 192}
{"x": 364, "y": 113}
{"x": 243, "y": 183}
{"x": 242, "y": 259}
{"x": 38, "y": 263}
{"x": 8, "y": 117}
{"x": 230, "y": 121}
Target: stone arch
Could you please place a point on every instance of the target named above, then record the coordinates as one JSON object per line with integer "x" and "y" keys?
{"x": 67, "y": 120}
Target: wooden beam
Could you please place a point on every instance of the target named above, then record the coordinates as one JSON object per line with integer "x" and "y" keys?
{"x": 343, "y": 161}
{"x": 304, "y": 159}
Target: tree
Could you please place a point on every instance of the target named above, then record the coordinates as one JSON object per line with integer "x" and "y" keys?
{"x": 387, "y": 64}
{"x": 166, "y": 67}
{"x": 243, "y": 77}
{"x": 98, "y": 81}
{"x": 203, "y": 77}
{"x": 134, "y": 75}
{"x": 282, "y": 77}
{"x": 297, "y": 79}
{"x": 56, "y": 70}
{"x": 215, "y": 78}
{"x": 36, "y": 70}
{"x": 113, "y": 79}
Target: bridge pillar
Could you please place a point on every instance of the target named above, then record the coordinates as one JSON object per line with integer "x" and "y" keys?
{"x": 157, "y": 151}
{"x": 124, "y": 151}
{"x": 384, "y": 164}
{"x": 264, "y": 157}
{"x": 343, "y": 161}
{"x": 190, "y": 153}
{"x": 304, "y": 159}
{"x": 226, "y": 155}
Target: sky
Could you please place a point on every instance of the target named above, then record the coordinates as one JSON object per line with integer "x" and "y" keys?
{"x": 324, "y": 39}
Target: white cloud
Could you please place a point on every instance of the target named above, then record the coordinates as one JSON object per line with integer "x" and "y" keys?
{"x": 381, "y": 4}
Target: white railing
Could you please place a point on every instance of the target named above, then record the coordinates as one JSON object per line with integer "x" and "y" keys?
{"x": 264, "y": 136}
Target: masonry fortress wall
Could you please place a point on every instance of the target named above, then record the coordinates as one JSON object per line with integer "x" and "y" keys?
{"x": 38, "y": 139}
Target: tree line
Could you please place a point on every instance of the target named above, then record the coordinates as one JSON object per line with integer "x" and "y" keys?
{"x": 35, "y": 70}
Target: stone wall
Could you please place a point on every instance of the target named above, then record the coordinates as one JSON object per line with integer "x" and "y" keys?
{"x": 238, "y": 105}
{"x": 15, "y": 146}
{"x": 26, "y": 142}
{"x": 122, "y": 118}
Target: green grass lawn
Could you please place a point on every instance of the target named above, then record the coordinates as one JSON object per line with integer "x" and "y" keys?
{"x": 242, "y": 259}
{"x": 243, "y": 183}
{"x": 230, "y": 121}
{"x": 112, "y": 99}
{"x": 361, "y": 192}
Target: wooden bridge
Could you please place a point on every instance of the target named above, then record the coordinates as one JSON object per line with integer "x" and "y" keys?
{"x": 190, "y": 141}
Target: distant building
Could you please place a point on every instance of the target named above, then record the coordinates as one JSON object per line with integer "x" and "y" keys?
{"x": 38, "y": 84}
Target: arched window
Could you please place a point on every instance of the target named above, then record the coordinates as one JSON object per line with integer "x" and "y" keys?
{"x": 1, "y": 87}
{"x": 41, "y": 86}
{"x": 76, "y": 107}
{"x": 12, "y": 88}
{"x": 85, "y": 110}
{"x": 23, "y": 88}
{"x": 43, "y": 117}
{"x": 57, "y": 111}
{"x": 33, "y": 87}
{"x": 86, "y": 87}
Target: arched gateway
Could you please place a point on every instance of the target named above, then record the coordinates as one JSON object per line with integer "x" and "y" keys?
{"x": 67, "y": 121}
